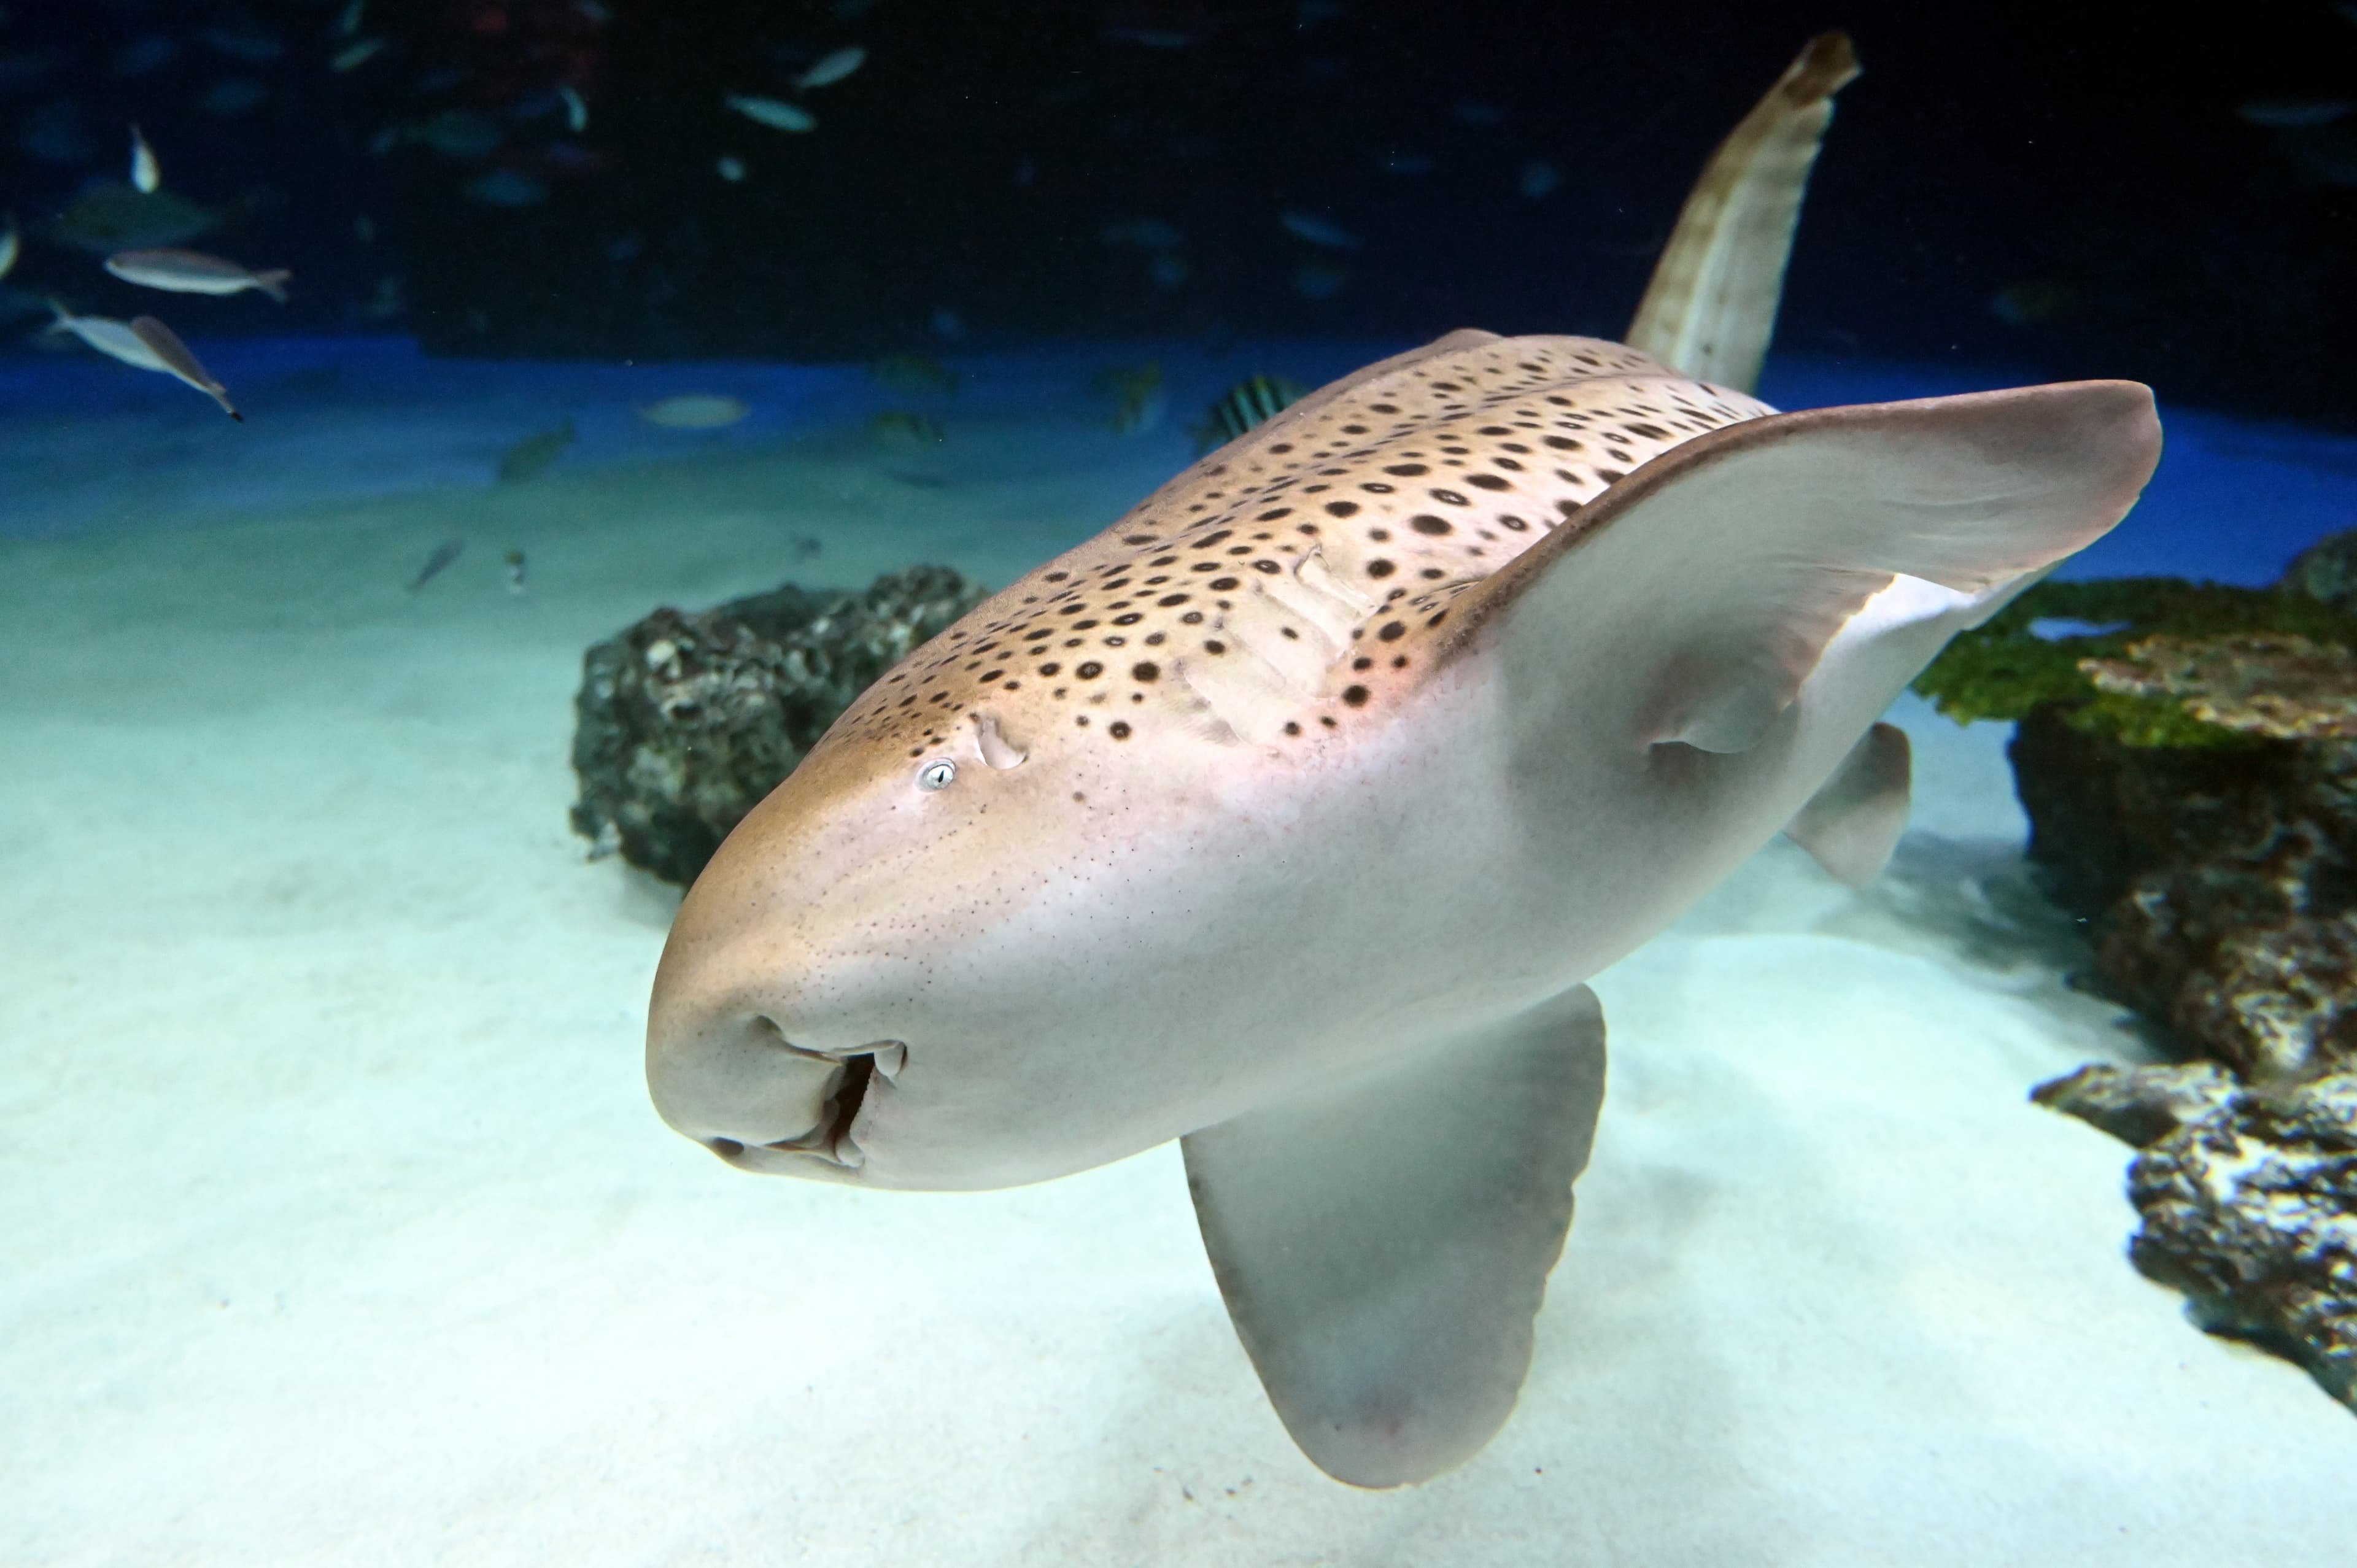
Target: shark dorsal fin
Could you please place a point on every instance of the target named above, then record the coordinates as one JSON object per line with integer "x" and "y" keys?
{"x": 1711, "y": 305}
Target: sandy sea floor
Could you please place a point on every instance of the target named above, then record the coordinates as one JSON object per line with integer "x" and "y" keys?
{"x": 336, "y": 1227}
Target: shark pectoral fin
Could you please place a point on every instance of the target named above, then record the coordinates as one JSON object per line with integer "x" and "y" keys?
{"x": 1697, "y": 594}
{"x": 1853, "y": 823}
{"x": 1384, "y": 1246}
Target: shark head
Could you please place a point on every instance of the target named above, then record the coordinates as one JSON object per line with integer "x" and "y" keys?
{"x": 1260, "y": 788}
{"x": 1017, "y": 914}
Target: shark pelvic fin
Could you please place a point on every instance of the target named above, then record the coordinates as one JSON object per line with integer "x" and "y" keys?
{"x": 1384, "y": 1245}
{"x": 1711, "y": 305}
{"x": 1853, "y": 823}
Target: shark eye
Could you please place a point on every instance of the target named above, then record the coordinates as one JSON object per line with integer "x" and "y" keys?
{"x": 936, "y": 774}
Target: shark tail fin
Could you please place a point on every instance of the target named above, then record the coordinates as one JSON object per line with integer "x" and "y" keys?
{"x": 273, "y": 283}
{"x": 1711, "y": 305}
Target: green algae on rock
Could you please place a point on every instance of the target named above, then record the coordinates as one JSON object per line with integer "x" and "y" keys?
{"x": 2280, "y": 686}
{"x": 2005, "y": 668}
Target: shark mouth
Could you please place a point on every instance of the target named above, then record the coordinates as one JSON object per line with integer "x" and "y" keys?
{"x": 846, "y": 1093}
{"x": 833, "y": 1130}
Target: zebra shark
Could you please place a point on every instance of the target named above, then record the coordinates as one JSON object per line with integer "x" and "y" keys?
{"x": 1289, "y": 816}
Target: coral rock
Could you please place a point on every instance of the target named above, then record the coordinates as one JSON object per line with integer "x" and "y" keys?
{"x": 2283, "y": 687}
{"x": 2222, "y": 886}
{"x": 2139, "y": 1105}
{"x": 2326, "y": 571}
{"x": 684, "y": 722}
{"x": 2189, "y": 762}
{"x": 2252, "y": 1212}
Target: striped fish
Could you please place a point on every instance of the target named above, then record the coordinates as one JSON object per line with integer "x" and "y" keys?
{"x": 1255, "y": 401}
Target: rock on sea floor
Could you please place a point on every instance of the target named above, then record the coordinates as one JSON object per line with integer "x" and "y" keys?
{"x": 684, "y": 722}
{"x": 2248, "y": 1198}
{"x": 2214, "y": 857}
{"x": 2252, "y": 1212}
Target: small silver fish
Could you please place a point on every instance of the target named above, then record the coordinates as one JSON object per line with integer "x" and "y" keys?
{"x": 353, "y": 56}
{"x": 506, "y": 188}
{"x": 530, "y": 457}
{"x": 461, "y": 133}
{"x": 576, "y": 108}
{"x": 232, "y": 96}
{"x": 696, "y": 411}
{"x": 146, "y": 174}
{"x": 146, "y": 344}
{"x": 111, "y": 216}
{"x": 913, "y": 374}
{"x": 10, "y": 243}
{"x": 193, "y": 271}
{"x": 386, "y": 302}
{"x": 515, "y": 570}
{"x": 173, "y": 357}
{"x": 1138, "y": 396}
{"x": 109, "y": 337}
{"x": 2294, "y": 113}
{"x": 1318, "y": 231}
{"x": 776, "y": 114}
{"x": 832, "y": 68}
{"x": 443, "y": 554}
{"x": 348, "y": 22}
{"x": 906, "y": 426}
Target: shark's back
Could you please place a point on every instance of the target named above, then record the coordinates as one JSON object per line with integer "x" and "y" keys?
{"x": 1297, "y": 577}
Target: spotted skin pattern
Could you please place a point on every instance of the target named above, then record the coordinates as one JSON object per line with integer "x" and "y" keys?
{"x": 1302, "y": 575}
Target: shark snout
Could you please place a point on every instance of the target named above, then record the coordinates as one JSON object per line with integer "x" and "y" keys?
{"x": 734, "y": 1079}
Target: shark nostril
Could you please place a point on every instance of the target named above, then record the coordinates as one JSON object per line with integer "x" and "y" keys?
{"x": 768, "y": 1031}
